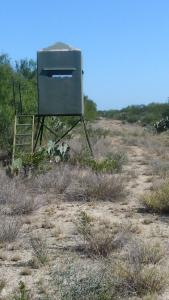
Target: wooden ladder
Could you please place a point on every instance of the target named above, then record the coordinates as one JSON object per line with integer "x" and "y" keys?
{"x": 23, "y": 140}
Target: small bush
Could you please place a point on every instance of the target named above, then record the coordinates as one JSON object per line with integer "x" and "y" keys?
{"x": 99, "y": 237}
{"x": 140, "y": 273}
{"x": 99, "y": 242}
{"x": 160, "y": 167}
{"x": 15, "y": 199}
{"x": 111, "y": 164}
{"x": 9, "y": 229}
{"x": 57, "y": 179}
{"x": 139, "y": 252}
{"x": 39, "y": 249}
{"x": 97, "y": 187}
{"x": 18, "y": 201}
{"x": 77, "y": 281}
{"x": 158, "y": 199}
{"x": 132, "y": 280}
{"x": 22, "y": 206}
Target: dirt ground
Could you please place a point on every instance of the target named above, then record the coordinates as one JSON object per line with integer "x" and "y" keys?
{"x": 54, "y": 220}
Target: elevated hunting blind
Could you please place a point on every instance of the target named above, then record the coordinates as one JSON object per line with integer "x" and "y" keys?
{"x": 59, "y": 74}
{"x": 60, "y": 81}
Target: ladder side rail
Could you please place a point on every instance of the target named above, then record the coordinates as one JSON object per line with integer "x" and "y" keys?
{"x": 14, "y": 139}
{"x": 33, "y": 127}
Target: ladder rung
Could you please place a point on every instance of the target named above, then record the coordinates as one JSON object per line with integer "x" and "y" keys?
{"x": 23, "y": 134}
{"x": 23, "y": 116}
{"x": 25, "y": 144}
{"x": 24, "y": 125}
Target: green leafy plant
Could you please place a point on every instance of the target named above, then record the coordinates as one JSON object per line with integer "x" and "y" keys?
{"x": 84, "y": 224}
{"x": 33, "y": 160}
{"x": 23, "y": 293}
{"x": 107, "y": 165}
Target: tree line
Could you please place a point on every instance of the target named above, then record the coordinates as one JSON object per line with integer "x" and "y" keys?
{"x": 144, "y": 114}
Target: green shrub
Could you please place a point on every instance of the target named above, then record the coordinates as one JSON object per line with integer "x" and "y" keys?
{"x": 22, "y": 293}
{"x": 158, "y": 200}
{"x": 111, "y": 164}
{"x": 79, "y": 281}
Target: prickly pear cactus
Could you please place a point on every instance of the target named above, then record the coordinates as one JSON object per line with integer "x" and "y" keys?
{"x": 58, "y": 151}
{"x": 162, "y": 125}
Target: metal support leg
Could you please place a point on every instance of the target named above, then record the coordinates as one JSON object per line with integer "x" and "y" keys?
{"x": 87, "y": 136}
{"x": 41, "y": 131}
{"x": 37, "y": 134}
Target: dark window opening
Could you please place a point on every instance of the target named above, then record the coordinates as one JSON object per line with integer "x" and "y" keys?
{"x": 58, "y": 73}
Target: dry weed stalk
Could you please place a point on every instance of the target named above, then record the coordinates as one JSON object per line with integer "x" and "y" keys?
{"x": 9, "y": 228}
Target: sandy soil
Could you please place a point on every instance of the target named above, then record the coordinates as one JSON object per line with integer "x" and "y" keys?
{"x": 55, "y": 220}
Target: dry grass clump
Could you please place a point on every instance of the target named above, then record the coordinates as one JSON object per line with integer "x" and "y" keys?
{"x": 103, "y": 146}
{"x": 133, "y": 280}
{"x": 22, "y": 205}
{"x": 139, "y": 252}
{"x": 160, "y": 167}
{"x": 134, "y": 135}
{"x": 2, "y": 284}
{"x": 140, "y": 273}
{"x": 39, "y": 248}
{"x": 14, "y": 198}
{"x": 158, "y": 199}
{"x": 101, "y": 187}
{"x": 5, "y": 184}
{"x": 56, "y": 180}
{"x": 99, "y": 237}
{"x": 9, "y": 228}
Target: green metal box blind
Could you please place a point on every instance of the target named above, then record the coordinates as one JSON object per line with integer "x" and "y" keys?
{"x": 60, "y": 81}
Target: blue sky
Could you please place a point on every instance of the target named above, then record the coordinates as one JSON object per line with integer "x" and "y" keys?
{"x": 125, "y": 43}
